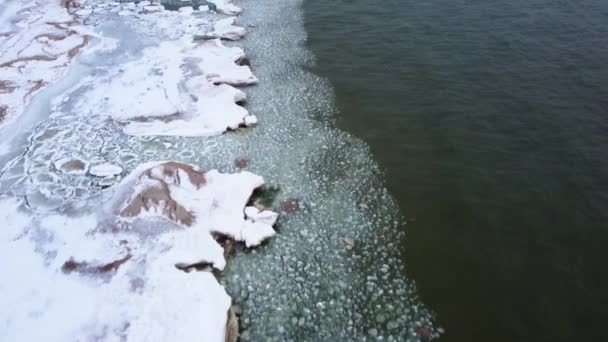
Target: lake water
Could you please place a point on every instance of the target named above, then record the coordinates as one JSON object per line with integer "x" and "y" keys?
{"x": 490, "y": 121}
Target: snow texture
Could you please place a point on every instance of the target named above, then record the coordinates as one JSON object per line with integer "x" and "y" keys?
{"x": 80, "y": 278}
{"x": 216, "y": 201}
{"x": 38, "y": 40}
{"x": 226, "y": 7}
{"x": 226, "y": 29}
{"x": 180, "y": 88}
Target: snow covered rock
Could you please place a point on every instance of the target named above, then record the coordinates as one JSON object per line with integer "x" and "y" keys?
{"x": 157, "y": 95}
{"x": 226, "y": 7}
{"x": 226, "y": 29}
{"x": 81, "y": 284}
{"x": 219, "y": 63}
{"x": 206, "y": 203}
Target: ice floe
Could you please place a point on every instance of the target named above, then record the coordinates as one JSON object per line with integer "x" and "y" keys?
{"x": 105, "y": 170}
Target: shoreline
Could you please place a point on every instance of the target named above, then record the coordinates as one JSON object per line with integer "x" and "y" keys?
{"x": 337, "y": 225}
{"x": 220, "y": 63}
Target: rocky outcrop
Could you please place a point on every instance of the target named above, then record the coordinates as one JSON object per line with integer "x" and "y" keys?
{"x": 153, "y": 193}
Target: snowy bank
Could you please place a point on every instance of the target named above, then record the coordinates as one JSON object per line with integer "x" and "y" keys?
{"x": 178, "y": 88}
{"x": 124, "y": 278}
{"x": 38, "y": 40}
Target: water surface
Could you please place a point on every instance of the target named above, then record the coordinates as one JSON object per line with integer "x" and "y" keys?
{"x": 490, "y": 122}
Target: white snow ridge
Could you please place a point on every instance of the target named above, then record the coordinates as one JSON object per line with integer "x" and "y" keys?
{"x": 88, "y": 281}
{"x": 178, "y": 88}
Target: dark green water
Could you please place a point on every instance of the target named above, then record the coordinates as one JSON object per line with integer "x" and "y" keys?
{"x": 490, "y": 119}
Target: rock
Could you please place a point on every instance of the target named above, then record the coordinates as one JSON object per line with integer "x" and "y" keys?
{"x": 86, "y": 268}
{"x": 232, "y": 326}
{"x": 198, "y": 266}
{"x": 291, "y": 205}
{"x": 241, "y": 163}
{"x": 243, "y": 61}
{"x": 3, "y": 112}
{"x": 154, "y": 194}
{"x": 349, "y": 243}
{"x": 225, "y": 7}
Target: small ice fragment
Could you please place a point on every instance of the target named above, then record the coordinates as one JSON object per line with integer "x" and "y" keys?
{"x": 265, "y": 216}
{"x": 187, "y": 10}
{"x": 105, "y": 170}
{"x": 251, "y": 120}
{"x": 153, "y": 8}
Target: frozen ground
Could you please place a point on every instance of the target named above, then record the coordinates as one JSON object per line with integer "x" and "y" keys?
{"x": 331, "y": 272}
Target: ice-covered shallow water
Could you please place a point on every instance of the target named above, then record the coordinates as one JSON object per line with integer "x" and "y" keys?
{"x": 333, "y": 272}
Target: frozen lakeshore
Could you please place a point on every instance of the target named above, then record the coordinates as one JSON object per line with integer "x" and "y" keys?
{"x": 108, "y": 244}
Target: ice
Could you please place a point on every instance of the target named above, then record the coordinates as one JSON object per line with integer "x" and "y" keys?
{"x": 157, "y": 95}
{"x": 333, "y": 268}
{"x": 153, "y": 8}
{"x": 226, "y": 29}
{"x": 218, "y": 62}
{"x": 226, "y": 7}
{"x": 105, "y": 170}
{"x": 207, "y": 202}
{"x": 264, "y": 216}
{"x": 34, "y": 52}
{"x": 86, "y": 280}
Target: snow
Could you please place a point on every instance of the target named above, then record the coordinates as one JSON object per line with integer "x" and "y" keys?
{"x": 105, "y": 170}
{"x": 158, "y": 94}
{"x": 219, "y": 63}
{"x": 226, "y": 7}
{"x": 226, "y": 29}
{"x": 35, "y": 51}
{"x": 308, "y": 283}
{"x": 264, "y": 216}
{"x": 61, "y": 288}
{"x": 217, "y": 207}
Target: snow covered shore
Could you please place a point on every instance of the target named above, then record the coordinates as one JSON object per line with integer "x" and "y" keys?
{"x": 80, "y": 277}
{"x": 138, "y": 268}
{"x": 331, "y": 272}
{"x": 38, "y": 40}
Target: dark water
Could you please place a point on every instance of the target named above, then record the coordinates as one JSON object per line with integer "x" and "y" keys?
{"x": 490, "y": 119}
